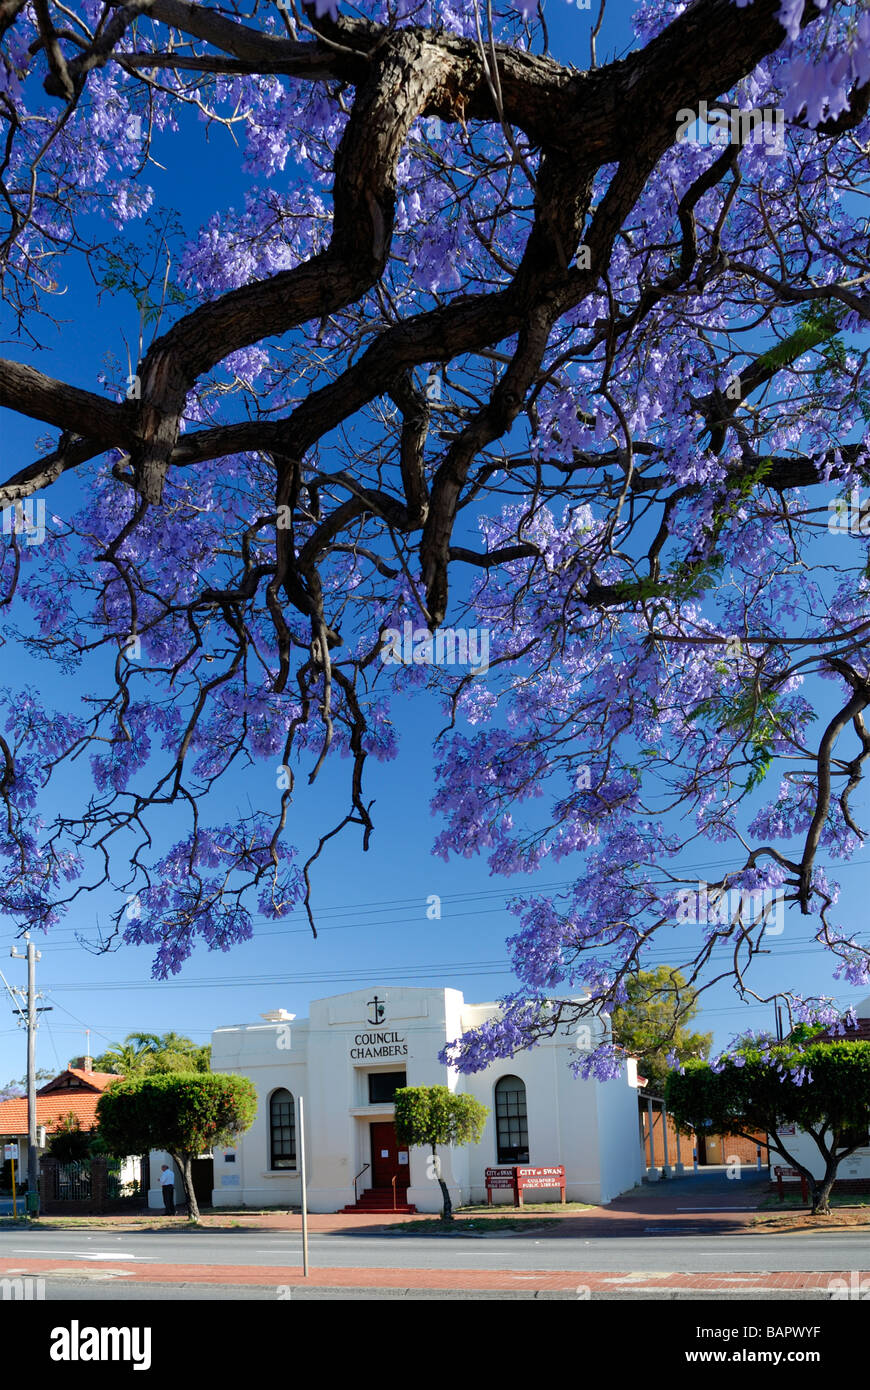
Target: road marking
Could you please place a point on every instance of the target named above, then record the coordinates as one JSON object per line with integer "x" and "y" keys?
{"x": 83, "y": 1255}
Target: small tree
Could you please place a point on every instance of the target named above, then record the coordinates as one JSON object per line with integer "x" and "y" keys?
{"x": 184, "y": 1114}
{"x": 427, "y": 1116}
{"x": 822, "y": 1088}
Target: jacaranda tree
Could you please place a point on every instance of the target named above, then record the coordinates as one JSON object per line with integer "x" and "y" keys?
{"x": 823, "y": 1088}
{"x": 570, "y": 353}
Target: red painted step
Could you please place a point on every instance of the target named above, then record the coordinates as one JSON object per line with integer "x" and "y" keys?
{"x": 380, "y": 1200}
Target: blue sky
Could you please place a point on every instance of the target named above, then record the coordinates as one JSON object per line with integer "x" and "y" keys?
{"x": 372, "y": 908}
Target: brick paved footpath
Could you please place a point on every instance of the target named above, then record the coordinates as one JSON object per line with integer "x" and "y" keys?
{"x": 448, "y": 1280}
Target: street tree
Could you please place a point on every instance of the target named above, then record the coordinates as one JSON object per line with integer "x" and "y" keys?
{"x": 651, "y": 1024}
{"x": 822, "y": 1088}
{"x": 433, "y": 1117}
{"x": 185, "y": 1114}
{"x": 572, "y": 357}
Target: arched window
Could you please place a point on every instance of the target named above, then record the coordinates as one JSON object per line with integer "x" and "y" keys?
{"x": 282, "y": 1130}
{"x": 511, "y": 1122}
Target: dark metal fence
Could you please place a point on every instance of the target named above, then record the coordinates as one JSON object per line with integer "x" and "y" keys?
{"x": 72, "y": 1182}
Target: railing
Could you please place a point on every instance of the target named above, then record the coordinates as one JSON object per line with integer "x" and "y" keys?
{"x": 356, "y": 1179}
{"x": 72, "y": 1182}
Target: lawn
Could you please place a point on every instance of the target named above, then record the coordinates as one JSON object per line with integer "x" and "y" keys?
{"x": 463, "y": 1225}
{"x": 794, "y": 1201}
{"x": 548, "y": 1208}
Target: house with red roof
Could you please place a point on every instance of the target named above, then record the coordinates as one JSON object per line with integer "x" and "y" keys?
{"x": 75, "y": 1091}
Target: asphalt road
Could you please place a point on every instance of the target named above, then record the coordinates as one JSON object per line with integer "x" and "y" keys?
{"x": 657, "y": 1252}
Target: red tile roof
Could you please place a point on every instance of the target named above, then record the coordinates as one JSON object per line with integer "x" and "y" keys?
{"x": 72, "y": 1092}
{"x": 93, "y": 1080}
{"x": 859, "y": 1034}
{"x": 50, "y": 1110}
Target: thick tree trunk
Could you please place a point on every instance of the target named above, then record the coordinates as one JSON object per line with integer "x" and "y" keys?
{"x": 184, "y": 1163}
{"x": 447, "y": 1214}
{"x": 447, "y": 1211}
{"x": 821, "y": 1189}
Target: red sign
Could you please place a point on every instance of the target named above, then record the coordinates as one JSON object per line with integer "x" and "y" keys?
{"x": 524, "y": 1179}
{"x": 528, "y": 1178}
{"x": 789, "y": 1173}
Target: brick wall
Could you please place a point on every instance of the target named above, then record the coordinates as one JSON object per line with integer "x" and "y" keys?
{"x": 658, "y": 1140}
{"x": 717, "y": 1148}
{"x": 97, "y": 1204}
{"x": 721, "y": 1148}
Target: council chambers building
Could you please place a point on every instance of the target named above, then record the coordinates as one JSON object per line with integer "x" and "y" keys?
{"x": 347, "y": 1060}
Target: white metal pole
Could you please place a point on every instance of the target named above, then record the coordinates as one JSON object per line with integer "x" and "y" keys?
{"x": 304, "y": 1190}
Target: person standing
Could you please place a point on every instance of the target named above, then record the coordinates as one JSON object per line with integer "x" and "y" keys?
{"x": 167, "y": 1182}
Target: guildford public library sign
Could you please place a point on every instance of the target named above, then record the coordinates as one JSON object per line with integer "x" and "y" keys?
{"x": 348, "y": 1058}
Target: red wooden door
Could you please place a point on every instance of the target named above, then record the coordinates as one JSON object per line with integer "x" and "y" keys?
{"x": 389, "y": 1158}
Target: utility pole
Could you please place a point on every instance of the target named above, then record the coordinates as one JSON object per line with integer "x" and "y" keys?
{"x": 31, "y": 956}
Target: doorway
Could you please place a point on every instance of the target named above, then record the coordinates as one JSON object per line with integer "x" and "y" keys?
{"x": 202, "y": 1174}
{"x": 389, "y": 1157}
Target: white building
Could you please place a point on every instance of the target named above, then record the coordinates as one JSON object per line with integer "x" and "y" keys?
{"x": 348, "y": 1058}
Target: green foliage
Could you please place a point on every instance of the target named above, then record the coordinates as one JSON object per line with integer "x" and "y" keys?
{"x": 143, "y": 1054}
{"x": 748, "y": 713}
{"x": 143, "y": 273}
{"x": 186, "y": 1114}
{"x": 653, "y": 1022}
{"x": 814, "y": 329}
{"x": 69, "y": 1143}
{"x": 758, "y": 1096}
{"x": 433, "y": 1115}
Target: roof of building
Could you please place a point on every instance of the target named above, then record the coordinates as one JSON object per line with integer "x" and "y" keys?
{"x": 859, "y": 1034}
{"x": 72, "y": 1092}
{"x": 75, "y": 1079}
{"x": 50, "y": 1111}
